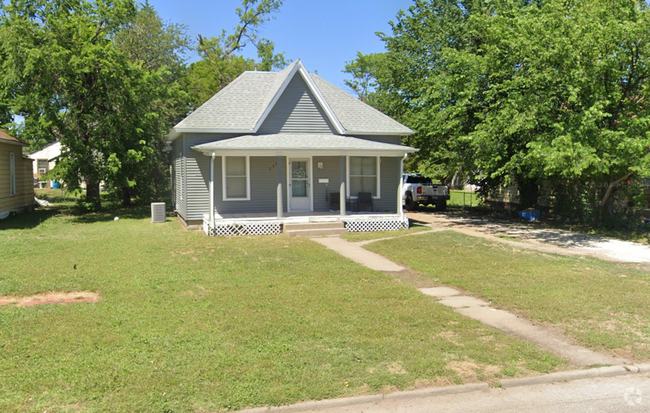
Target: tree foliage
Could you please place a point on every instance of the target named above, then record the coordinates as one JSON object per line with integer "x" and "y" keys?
{"x": 548, "y": 92}
{"x": 69, "y": 81}
{"x": 221, "y": 63}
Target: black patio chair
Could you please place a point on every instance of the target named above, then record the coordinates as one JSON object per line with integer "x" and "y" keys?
{"x": 335, "y": 201}
{"x": 364, "y": 202}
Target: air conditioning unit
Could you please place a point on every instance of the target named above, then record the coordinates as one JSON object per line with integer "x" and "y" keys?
{"x": 42, "y": 170}
{"x": 158, "y": 212}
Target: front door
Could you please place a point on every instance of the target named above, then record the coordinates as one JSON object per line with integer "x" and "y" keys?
{"x": 299, "y": 185}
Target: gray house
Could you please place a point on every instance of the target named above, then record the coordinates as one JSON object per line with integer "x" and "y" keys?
{"x": 275, "y": 148}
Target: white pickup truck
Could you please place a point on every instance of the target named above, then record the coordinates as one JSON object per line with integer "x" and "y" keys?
{"x": 417, "y": 189}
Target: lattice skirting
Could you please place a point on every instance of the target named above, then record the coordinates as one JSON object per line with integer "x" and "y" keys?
{"x": 253, "y": 228}
{"x": 376, "y": 225}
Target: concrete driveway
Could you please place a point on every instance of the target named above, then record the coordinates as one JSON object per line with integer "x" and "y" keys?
{"x": 536, "y": 236}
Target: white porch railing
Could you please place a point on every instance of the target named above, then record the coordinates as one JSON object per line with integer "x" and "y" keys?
{"x": 273, "y": 225}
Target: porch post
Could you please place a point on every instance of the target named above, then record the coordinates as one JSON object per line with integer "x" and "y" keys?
{"x": 212, "y": 190}
{"x": 343, "y": 195}
{"x": 279, "y": 190}
{"x": 400, "y": 205}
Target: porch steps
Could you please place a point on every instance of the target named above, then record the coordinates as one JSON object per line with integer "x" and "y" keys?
{"x": 314, "y": 229}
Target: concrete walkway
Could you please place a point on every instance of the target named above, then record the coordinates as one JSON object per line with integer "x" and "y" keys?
{"x": 358, "y": 254}
{"x": 476, "y": 308}
{"x": 523, "y": 329}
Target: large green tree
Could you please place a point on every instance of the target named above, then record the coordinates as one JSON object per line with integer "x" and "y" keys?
{"x": 221, "y": 59}
{"x": 69, "y": 81}
{"x": 544, "y": 92}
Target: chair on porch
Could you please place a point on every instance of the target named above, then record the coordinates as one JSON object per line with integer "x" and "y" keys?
{"x": 364, "y": 202}
{"x": 335, "y": 201}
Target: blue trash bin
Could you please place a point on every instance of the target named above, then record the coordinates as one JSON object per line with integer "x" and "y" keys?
{"x": 55, "y": 184}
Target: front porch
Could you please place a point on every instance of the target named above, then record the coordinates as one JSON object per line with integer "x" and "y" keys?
{"x": 271, "y": 224}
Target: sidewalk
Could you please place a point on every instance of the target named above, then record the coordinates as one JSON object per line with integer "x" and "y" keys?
{"x": 607, "y": 389}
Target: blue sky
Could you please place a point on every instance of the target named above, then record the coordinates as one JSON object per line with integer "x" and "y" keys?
{"x": 324, "y": 34}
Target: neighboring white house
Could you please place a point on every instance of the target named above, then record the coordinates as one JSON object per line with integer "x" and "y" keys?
{"x": 44, "y": 160}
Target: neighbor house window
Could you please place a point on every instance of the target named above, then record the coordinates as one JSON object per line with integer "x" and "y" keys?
{"x": 363, "y": 175}
{"x": 12, "y": 173}
{"x": 236, "y": 178}
{"x": 42, "y": 166}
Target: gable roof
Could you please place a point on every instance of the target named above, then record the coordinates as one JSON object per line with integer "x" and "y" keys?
{"x": 50, "y": 151}
{"x": 6, "y": 138}
{"x": 243, "y": 105}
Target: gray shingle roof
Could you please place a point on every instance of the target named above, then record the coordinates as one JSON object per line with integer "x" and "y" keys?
{"x": 239, "y": 105}
{"x": 277, "y": 144}
{"x": 243, "y": 104}
{"x": 356, "y": 116}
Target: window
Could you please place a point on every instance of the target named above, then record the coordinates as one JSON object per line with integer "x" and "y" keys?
{"x": 42, "y": 166}
{"x": 363, "y": 175}
{"x": 12, "y": 173}
{"x": 236, "y": 183}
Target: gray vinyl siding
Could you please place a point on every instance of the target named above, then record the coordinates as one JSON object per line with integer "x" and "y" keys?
{"x": 395, "y": 140}
{"x": 178, "y": 177}
{"x": 195, "y": 170}
{"x": 264, "y": 183}
{"x": 390, "y": 178}
{"x": 297, "y": 110}
{"x": 332, "y": 171}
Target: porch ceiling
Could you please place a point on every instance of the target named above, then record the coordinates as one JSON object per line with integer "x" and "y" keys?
{"x": 282, "y": 144}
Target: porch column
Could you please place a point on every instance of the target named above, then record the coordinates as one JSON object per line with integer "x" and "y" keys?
{"x": 344, "y": 196}
{"x": 279, "y": 190}
{"x": 400, "y": 188}
{"x": 212, "y": 190}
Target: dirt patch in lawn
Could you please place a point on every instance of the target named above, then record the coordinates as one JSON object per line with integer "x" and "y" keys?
{"x": 53, "y": 297}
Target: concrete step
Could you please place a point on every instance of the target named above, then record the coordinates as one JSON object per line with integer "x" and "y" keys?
{"x": 314, "y": 232}
{"x": 313, "y": 225}
{"x": 314, "y": 229}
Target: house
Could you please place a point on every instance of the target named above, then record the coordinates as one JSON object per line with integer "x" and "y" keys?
{"x": 16, "y": 184}
{"x": 45, "y": 159}
{"x": 274, "y": 148}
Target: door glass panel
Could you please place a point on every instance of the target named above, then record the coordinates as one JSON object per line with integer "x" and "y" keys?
{"x": 299, "y": 179}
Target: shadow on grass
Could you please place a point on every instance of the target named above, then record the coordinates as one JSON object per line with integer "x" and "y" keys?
{"x": 109, "y": 213}
{"x": 28, "y": 220}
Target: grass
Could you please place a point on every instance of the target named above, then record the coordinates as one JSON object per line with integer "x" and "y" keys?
{"x": 471, "y": 199}
{"x": 188, "y": 323}
{"x": 602, "y": 305}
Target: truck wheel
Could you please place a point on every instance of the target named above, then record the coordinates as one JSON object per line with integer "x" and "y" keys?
{"x": 441, "y": 206}
{"x": 410, "y": 205}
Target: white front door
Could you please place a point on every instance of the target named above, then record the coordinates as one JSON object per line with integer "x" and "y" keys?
{"x": 299, "y": 185}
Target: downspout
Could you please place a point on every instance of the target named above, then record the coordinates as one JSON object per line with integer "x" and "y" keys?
{"x": 212, "y": 190}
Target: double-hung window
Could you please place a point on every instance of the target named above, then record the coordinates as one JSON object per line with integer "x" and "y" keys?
{"x": 363, "y": 175}
{"x": 236, "y": 178}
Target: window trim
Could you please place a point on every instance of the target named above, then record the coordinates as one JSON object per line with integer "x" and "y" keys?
{"x": 12, "y": 174}
{"x": 224, "y": 196}
{"x": 347, "y": 177}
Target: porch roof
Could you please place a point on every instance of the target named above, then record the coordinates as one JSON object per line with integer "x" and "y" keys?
{"x": 282, "y": 144}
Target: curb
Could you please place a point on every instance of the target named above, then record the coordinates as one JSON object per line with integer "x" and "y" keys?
{"x": 609, "y": 371}
{"x": 563, "y": 376}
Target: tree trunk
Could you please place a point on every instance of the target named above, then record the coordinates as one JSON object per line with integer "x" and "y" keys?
{"x": 610, "y": 189}
{"x": 126, "y": 196}
{"x": 92, "y": 193}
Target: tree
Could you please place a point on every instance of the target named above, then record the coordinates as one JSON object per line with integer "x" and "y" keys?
{"x": 158, "y": 48}
{"x": 220, "y": 63}
{"x": 68, "y": 79}
{"x": 540, "y": 92}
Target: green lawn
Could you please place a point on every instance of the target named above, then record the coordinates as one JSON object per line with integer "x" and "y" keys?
{"x": 188, "y": 323}
{"x": 457, "y": 197}
{"x": 601, "y": 304}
